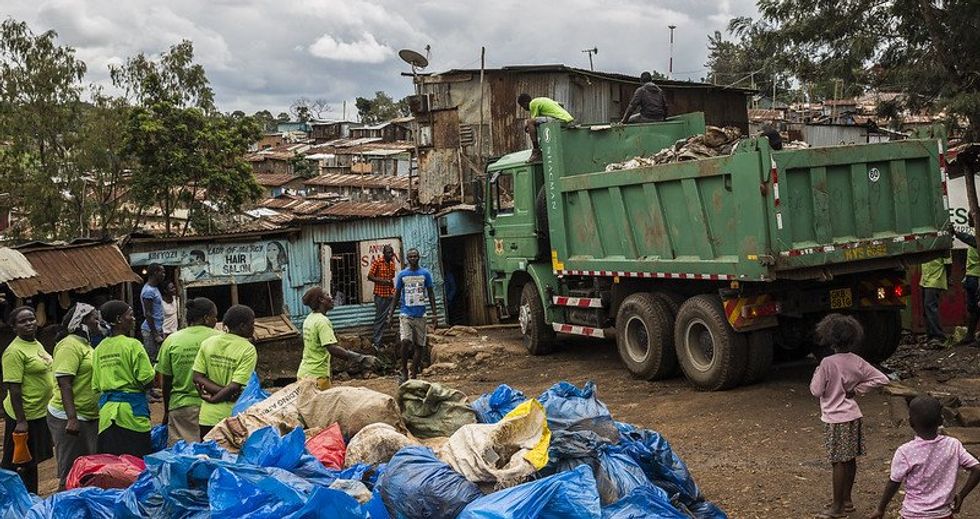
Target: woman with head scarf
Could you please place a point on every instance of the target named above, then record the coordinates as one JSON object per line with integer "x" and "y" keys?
{"x": 27, "y": 374}
{"x": 73, "y": 412}
{"x": 122, "y": 373}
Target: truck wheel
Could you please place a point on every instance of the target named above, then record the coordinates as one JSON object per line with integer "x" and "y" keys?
{"x": 672, "y": 301}
{"x": 760, "y": 352}
{"x": 539, "y": 338}
{"x": 711, "y": 354}
{"x": 644, "y": 337}
{"x": 882, "y": 334}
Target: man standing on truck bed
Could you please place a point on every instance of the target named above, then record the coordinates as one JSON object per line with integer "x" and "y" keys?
{"x": 650, "y": 101}
{"x": 933, "y": 283}
{"x": 542, "y": 110}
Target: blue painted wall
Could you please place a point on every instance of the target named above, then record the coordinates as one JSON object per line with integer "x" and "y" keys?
{"x": 418, "y": 231}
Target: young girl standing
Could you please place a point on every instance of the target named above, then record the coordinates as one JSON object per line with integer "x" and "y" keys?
{"x": 838, "y": 379}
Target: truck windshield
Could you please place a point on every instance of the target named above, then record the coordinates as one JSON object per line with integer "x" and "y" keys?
{"x": 503, "y": 193}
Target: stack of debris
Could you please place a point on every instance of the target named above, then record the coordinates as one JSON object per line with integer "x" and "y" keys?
{"x": 713, "y": 142}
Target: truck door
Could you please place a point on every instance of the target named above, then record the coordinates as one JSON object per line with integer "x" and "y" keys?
{"x": 510, "y": 224}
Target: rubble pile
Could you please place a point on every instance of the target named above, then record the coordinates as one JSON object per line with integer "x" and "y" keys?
{"x": 348, "y": 452}
{"x": 713, "y": 142}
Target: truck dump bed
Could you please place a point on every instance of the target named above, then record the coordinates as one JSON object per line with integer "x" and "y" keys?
{"x": 753, "y": 215}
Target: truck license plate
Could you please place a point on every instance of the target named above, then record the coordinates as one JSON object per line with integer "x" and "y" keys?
{"x": 841, "y": 298}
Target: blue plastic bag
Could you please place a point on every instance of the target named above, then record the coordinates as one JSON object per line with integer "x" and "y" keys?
{"x": 256, "y": 492}
{"x": 417, "y": 484}
{"x": 159, "y": 437}
{"x": 15, "y": 500}
{"x": 642, "y": 503}
{"x": 567, "y": 495}
{"x": 265, "y": 448}
{"x": 579, "y": 422}
{"x": 80, "y": 503}
{"x": 326, "y": 503}
{"x": 252, "y": 394}
{"x": 618, "y": 475}
{"x": 492, "y": 407}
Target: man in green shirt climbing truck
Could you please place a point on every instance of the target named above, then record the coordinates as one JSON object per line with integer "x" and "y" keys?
{"x": 542, "y": 110}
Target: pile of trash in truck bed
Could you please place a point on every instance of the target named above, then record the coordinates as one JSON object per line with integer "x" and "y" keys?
{"x": 714, "y": 142}
{"x": 351, "y": 452}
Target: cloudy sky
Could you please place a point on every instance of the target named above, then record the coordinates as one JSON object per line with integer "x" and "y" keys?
{"x": 263, "y": 54}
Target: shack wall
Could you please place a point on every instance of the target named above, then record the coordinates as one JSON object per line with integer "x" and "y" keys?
{"x": 306, "y": 271}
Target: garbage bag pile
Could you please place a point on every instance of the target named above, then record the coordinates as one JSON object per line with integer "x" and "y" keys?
{"x": 353, "y": 454}
{"x": 713, "y": 142}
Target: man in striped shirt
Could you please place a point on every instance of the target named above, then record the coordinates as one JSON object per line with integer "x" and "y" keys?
{"x": 382, "y": 274}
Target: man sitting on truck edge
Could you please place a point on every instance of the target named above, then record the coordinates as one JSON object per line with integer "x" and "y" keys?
{"x": 971, "y": 283}
{"x": 650, "y": 100}
{"x": 542, "y": 110}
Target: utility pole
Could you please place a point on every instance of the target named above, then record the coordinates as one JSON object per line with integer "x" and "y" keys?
{"x": 670, "y": 61}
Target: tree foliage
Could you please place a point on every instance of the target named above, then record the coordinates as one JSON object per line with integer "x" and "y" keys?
{"x": 924, "y": 48}
{"x": 381, "y": 108}
{"x": 183, "y": 145}
{"x": 305, "y": 109}
{"x": 751, "y": 59}
{"x": 40, "y": 89}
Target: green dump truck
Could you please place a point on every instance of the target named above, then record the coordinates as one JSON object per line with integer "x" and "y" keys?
{"x": 715, "y": 266}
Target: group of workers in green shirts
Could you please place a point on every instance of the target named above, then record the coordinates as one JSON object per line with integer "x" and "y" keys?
{"x": 85, "y": 400}
{"x": 934, "y": 281}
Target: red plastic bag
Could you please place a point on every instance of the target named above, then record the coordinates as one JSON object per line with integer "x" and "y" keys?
{"x": 329, "y": 447}
{"x": 104, "y": 471}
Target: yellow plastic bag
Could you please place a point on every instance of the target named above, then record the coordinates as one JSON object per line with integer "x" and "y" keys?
{"x": 538, "y": 456}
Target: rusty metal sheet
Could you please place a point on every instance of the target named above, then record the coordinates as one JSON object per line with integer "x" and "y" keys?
{"x": 13, "y": 265}
{"x": 274, "y": 179}
{"x": 361, "y": 181}
{"x": 363, "y": 209}
{"x": 79, "y": 267}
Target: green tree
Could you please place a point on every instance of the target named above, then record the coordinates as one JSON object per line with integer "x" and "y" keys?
{"x": 283, "y": 117}
{"x": 303, "y": 167}
{"x": 381, "y": 108}
{"x": 751, "y": 60}
{"x": 265, "y": 120}
{"x": 184, "y": 146}
{"x": 924, "y": 48}
{"x": 40, "y": 88}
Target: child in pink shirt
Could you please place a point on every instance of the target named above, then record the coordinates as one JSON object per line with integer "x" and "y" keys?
{"x": 928, "y": 465}
{"x": 836, "y": 381}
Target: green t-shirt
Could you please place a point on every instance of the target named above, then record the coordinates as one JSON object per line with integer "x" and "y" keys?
{"x": 27, "y": 364}
{"x": 73, "y": 357}
{"x": 934, "y": 274}
{"x": 317, "y": 334}
{"x": 176, "y": 359}
{"x": 224, "y": 359}
{"x": 546, "y": 107}
{"x": 121, "y": 364}
{"x": 972, "y": 262}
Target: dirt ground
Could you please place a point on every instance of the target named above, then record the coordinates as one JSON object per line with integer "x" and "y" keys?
{"x": 756, "y": 451}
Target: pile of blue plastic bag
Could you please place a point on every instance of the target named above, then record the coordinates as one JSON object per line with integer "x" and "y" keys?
{"x": 598, "y": 469}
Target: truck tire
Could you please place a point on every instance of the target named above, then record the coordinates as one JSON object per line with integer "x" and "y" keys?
{"x": 882, "y": 334}
{"x": 709, "y": 351}
{"x": 673, "y": 302}
{"x": 760, "y": 353}
{"x": 539, "y": 338}
{"x": 643, "y": 337}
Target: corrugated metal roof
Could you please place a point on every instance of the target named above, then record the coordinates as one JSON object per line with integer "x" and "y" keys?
{"x": 363, "y": 209}
{"x": 82, "y": 268}
{"x": 362, "y": 181}
{"x": 274, "y": 179}
{"x": 14, "y": 265}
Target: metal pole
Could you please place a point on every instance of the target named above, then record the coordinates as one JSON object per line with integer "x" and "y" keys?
{"x": 670, "y": 62}
{"x": 479, "y": 131}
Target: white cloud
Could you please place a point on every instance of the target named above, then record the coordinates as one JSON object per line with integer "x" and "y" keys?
{"x": 263, "y": 55}
{"x": 365, "y": 50}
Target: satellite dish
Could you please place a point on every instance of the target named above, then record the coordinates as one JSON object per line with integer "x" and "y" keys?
{"x": 413, "y": 58}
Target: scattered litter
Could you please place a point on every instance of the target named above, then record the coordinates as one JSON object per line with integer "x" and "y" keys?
{"x": 713, "y": 142}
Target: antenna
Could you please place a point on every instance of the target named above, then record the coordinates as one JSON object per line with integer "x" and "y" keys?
{"x": 670, "y": 62}
{"x": 591, "y": 52}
